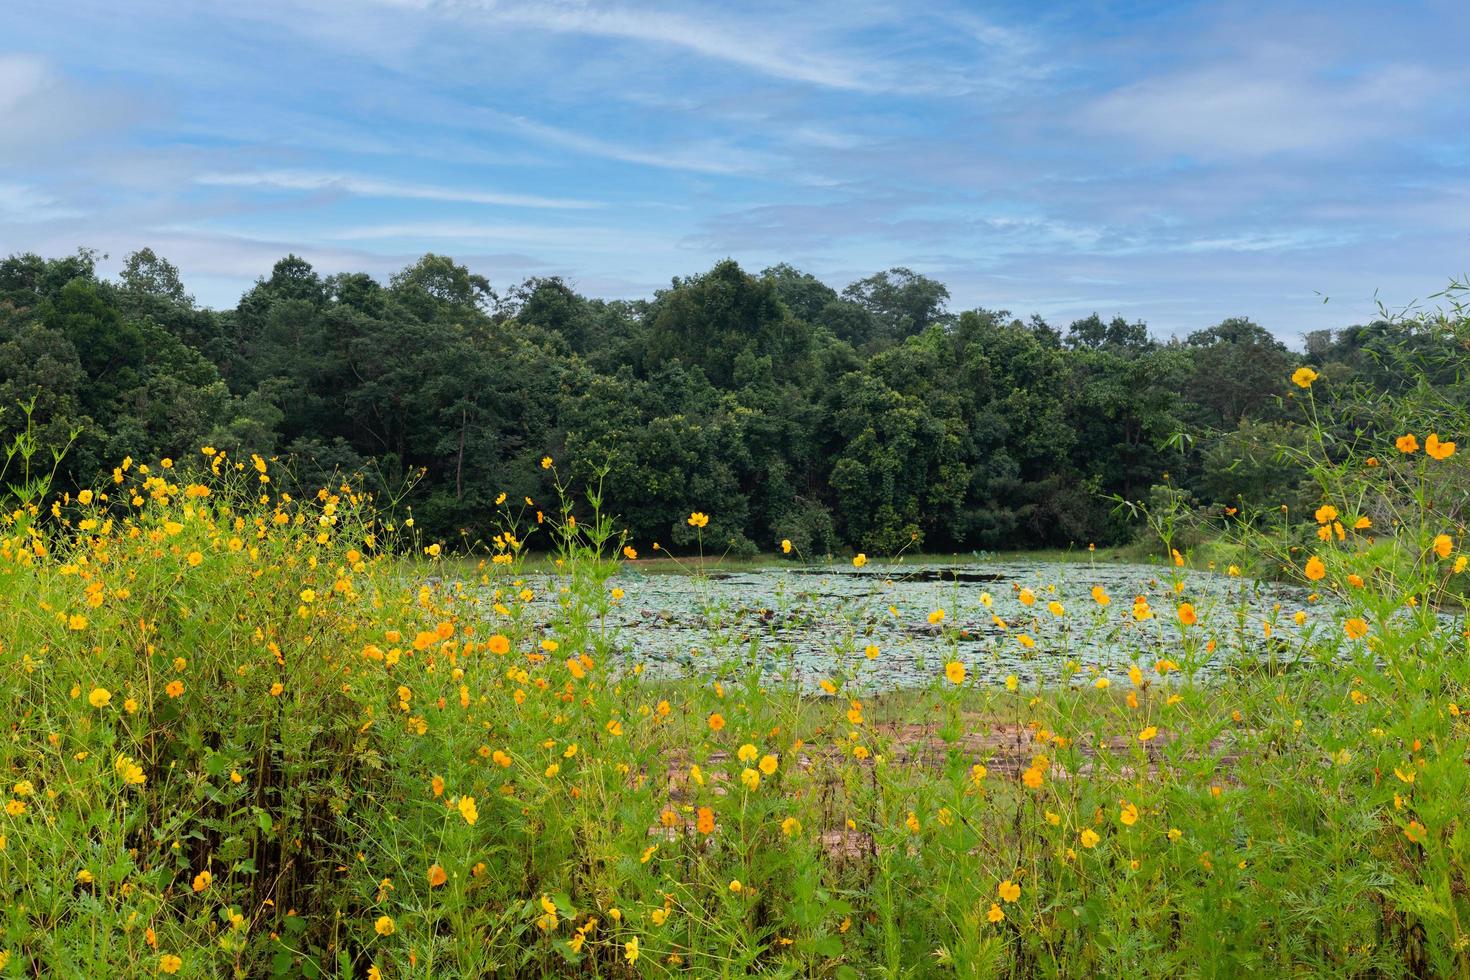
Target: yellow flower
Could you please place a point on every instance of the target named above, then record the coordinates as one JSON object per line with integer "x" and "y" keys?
{"x": 996, "y": 913}
{"x": 751, "y": 779}
{"x": 630, "y": 950}
{"x": 1355, "y": 628}
{"x": 1444, "y": 545}
{"x": 859, "y": 560}
{"x": 736, "y": 886}
{"x": 546, "y": 462}
{"x": 1100, "y": 595}
{"x": 768, "y": 764}
{"x": 85, "y": 877}
{"x": 954, "y": 672}
{"x": 195, "y": 559}
{"x": 130, "y": 771}
{"x": 1148, "y": 734}
{"x": 99, "y": 697}
{"x": 1326, "y": 514}
{"x": 169, "y": 963}
{"x": 791, "y": 826}
{"x": 1436, "y": 449}
{"x": 1027, "y": 597}
{"x": 1314, "y": 569}
{"x": 1009, "y": 891}
{"x": 1128, "y": 814}
{"x": 174, "y": 688}
{"x": 202, "y": 880}
{"x": 384, "y": 926}
{"x": 76, "y": 622}
{"x": 936, "y": 617}
{"x": 1090, "y": 838}
{"x": 467, "y": 809}
{"x": 785, "y": 546}
{"x": 1187, "y": 614}
{"x": 1303, "y": 377}
{"x": 698, "y": 519}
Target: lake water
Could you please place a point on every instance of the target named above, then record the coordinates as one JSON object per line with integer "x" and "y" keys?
{"x": 815, "y": 622}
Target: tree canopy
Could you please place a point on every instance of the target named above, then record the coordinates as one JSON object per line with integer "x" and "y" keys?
{"x": 871, "y": 417}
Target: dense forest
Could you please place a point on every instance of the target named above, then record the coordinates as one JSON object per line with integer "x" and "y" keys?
{"x": 871, "y": 418}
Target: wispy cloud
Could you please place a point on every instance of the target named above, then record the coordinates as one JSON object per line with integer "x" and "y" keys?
{"x": 299, "y": 180}
{"x": 1258, "y": 107}
{"x": 749, "y": 46}
{"x": 21, "y": 202}
{"x": 709, "y": 157}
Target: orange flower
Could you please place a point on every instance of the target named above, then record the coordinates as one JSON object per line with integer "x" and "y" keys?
{"x": 437, "y": 876}
{"x": 705, "y": 822}
{"x": 1407, "y": 443}
{"x": 174, "y": 689}
{"x": 1437, "y": 449}
{"x": 1315, "y": 570}
{"x": 1187, "y": 614}
{"x": 716, "y": 722}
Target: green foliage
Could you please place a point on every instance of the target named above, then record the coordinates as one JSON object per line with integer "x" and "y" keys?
{"x": 870, "y": 418}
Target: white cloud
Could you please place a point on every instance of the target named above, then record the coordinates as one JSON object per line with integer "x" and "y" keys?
{"x": 1260, "y": 107}
{"x": 707, "y": 157}
{"x": 762, "y": 51}
{"x": 586, "y": 238}
{"x": 22, "y": 202}
{"x": 302, "y": 180}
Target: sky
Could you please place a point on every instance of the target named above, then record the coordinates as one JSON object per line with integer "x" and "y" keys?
{"x": 1174, "y": 162}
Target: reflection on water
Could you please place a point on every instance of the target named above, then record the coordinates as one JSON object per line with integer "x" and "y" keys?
{"x": 817, "y": 622}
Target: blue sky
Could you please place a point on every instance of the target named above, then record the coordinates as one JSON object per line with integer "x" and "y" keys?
{"x": 1174, "y": 162}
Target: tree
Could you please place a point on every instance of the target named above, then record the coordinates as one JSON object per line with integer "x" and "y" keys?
{"x": 901, "y": 302}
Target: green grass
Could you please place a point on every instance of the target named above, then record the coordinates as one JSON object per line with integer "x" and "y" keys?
{"x": 262, "y": 737}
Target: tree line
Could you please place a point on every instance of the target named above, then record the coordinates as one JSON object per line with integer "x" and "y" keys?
{"x": 872, "y": 419}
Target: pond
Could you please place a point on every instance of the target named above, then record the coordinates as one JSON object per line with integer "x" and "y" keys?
{"x": 871, "y": 627}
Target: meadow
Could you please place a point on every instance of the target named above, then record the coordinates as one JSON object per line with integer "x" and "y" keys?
{"x": 256, "y": 733}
